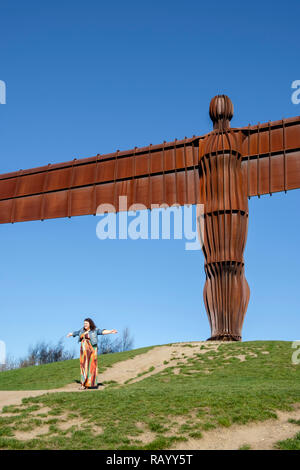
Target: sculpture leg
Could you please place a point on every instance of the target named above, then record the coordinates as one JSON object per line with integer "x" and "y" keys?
{"x": 226, "y": 297}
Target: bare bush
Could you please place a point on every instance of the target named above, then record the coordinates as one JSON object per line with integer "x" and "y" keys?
{"x": 124, "y": 343}
{"x": 10, "y": 363}
{"x": 106, "y": 345}
{"x": 44, "y": 353}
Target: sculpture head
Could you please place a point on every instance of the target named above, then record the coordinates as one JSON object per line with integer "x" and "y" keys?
{"x": 221, "y": 111}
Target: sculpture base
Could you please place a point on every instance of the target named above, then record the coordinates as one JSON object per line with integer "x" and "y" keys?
{"x": 225, "y": 337}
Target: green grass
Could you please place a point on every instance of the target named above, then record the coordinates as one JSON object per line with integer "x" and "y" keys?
{"x": 57, "y": 374}
{"x": 245, "y": 447}
{"x": 169, "y": 407}
{"x": 292, "y": 443}
{"x": 146, "y": 371}
{"x": 289, "y": 444}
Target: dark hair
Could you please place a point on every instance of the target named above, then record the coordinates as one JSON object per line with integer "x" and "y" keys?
{"x": 92, "y": 324}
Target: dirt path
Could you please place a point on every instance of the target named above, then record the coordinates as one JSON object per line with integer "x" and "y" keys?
{"x": 259, "y": 436}
{"x": 125, "y": 370}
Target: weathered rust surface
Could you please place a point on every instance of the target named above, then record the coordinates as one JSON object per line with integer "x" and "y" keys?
{"x": 222, "y": 191}
{"x": 236, "y": 164}
{"x": 271, "y": 157}
{"x": 165, "y": 173}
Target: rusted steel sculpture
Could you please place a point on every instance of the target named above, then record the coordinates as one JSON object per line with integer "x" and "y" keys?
{"x": 220, "y": 170}
{"x": 226, "y": 292}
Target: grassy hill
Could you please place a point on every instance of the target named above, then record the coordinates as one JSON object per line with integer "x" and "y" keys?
{"x": 238, "y": 383}
{"x": 57, "y": 374}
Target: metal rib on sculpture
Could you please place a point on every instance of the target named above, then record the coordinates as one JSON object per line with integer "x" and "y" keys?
{"x": 220, "y": 169}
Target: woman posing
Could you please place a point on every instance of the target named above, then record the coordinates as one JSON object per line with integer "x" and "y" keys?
{"x": 88, "y": 336}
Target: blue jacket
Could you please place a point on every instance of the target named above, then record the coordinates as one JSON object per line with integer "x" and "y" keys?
{"x": 93, "y": 334}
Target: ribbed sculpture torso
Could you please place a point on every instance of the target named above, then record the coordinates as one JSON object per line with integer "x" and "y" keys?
{"x": 226, "y": 291}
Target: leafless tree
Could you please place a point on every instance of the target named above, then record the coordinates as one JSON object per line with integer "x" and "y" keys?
{"x": 106, "y": 345}
{"x": 10, "y": 363}
{"x": 124, "y": 343}
{"x": 43, "y": 353}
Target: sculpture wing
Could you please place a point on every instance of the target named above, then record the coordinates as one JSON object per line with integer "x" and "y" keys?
{"x": 271, "y": 157}
{"x": 164, "y": 173}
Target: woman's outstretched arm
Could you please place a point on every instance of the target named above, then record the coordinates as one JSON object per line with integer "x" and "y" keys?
{"x": 75, "y": 333}
{"x": 108, "y": 332}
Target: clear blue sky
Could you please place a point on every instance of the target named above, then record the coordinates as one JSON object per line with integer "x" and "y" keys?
{"x": 92, "y": 77}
